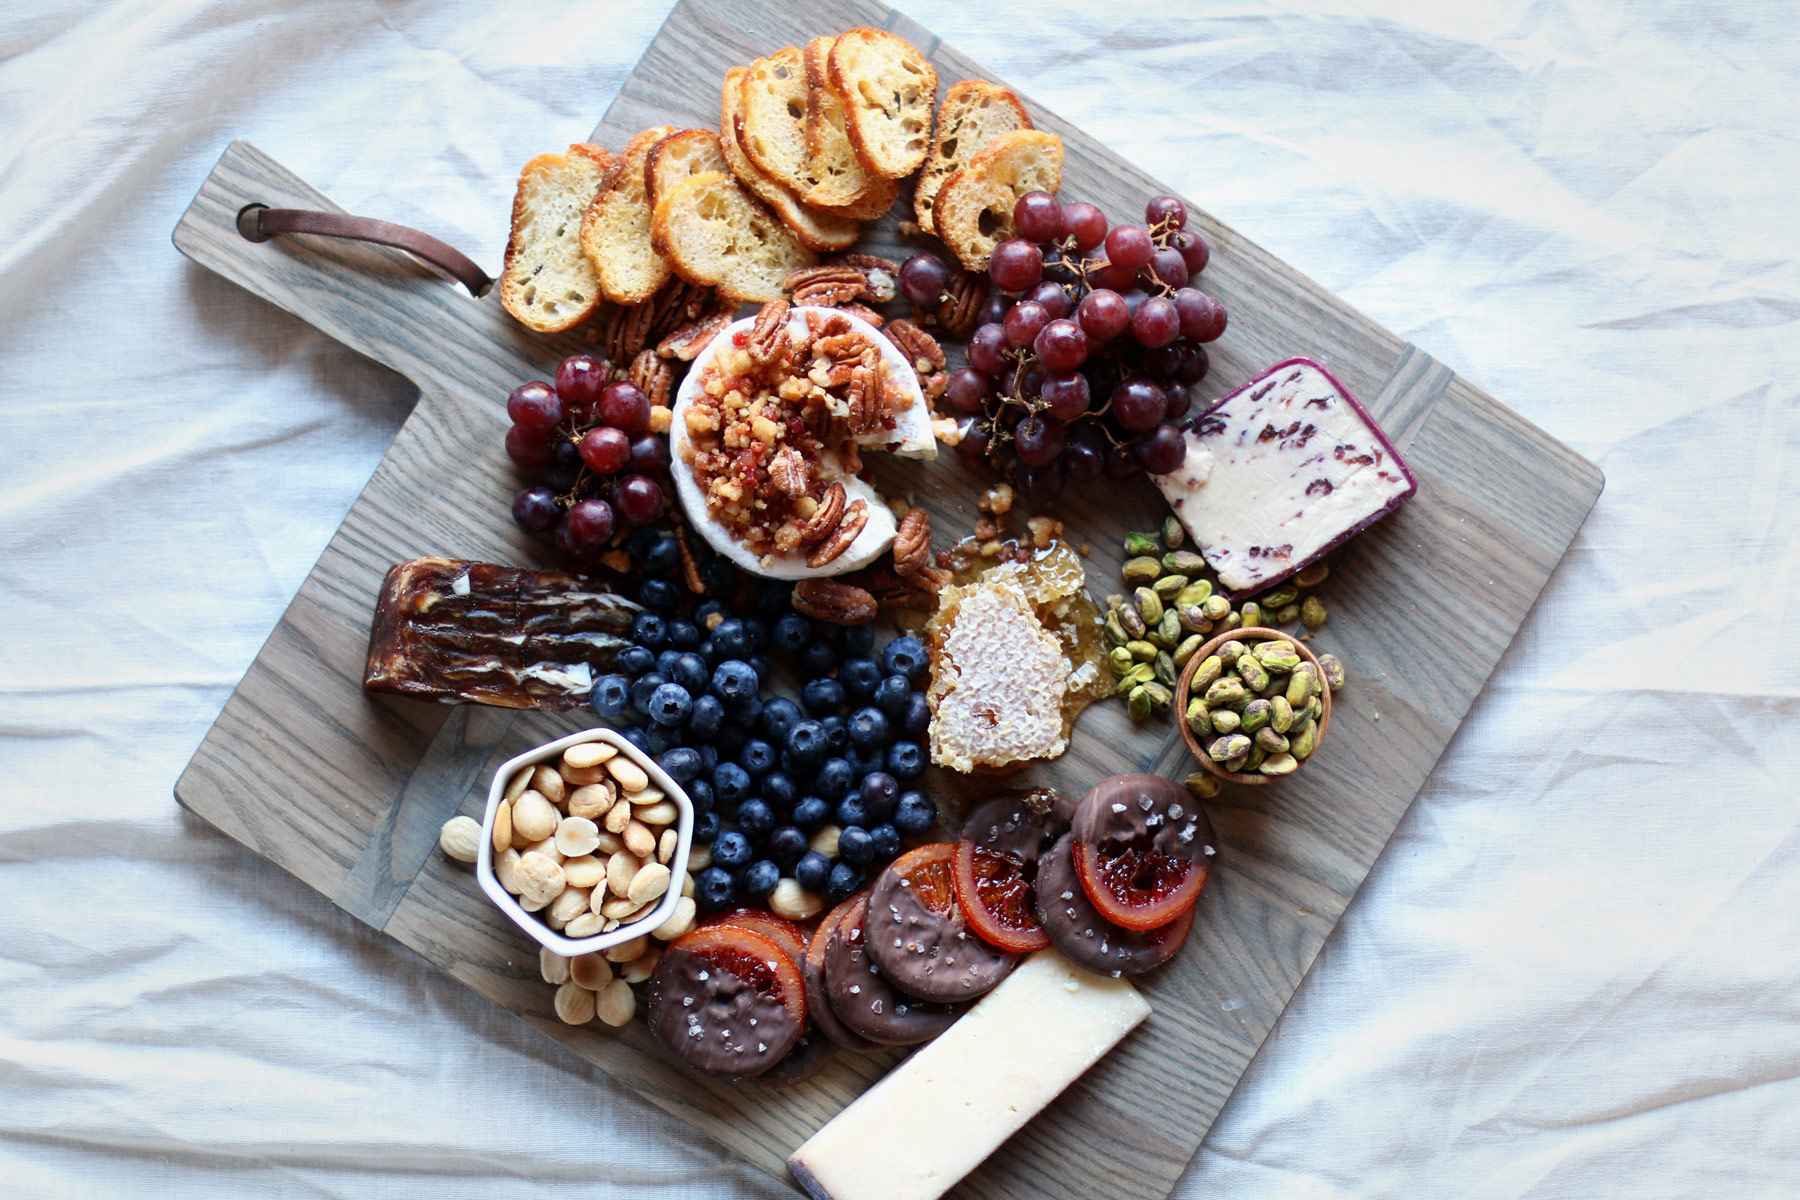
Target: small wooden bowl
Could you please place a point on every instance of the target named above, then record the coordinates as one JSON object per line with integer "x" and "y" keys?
{"x": 1254, "y": 633}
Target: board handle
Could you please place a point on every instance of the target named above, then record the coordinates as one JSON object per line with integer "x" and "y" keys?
{"x": 381, "y": 302}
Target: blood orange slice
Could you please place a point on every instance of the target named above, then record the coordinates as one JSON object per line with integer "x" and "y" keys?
{"x": 1142, "y": 850}
{"x": 783, "y": 932}
{"x": 1089, "y": 940}
{"x": 917, "y": 934}
{"x": 727, "y": 1002}
{"x": 997, "y": 865}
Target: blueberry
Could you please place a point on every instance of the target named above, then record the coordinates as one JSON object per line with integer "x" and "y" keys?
{"x": 864, "y": 761}
{"x": 778, "y": 716}
{"x": 904, "y": 656}
{"x": 822, "y": 696}
{"x": 643, "y": 689}
{"x": 792, "y": 632}
{"x": 868, "y": 728}
{"x": 762, "y": 666}
{"x": 704, "y": 610}
{"x": 915, "y": 813}
{"x": 758, "y": 757}
{"x": 706, "y": 828}
{"x": 755, "y": 819}
{"x": 733, "y": 851}
{"x": 729, "y": 739}
{"x": 886, "y": 840}
{"x": 758, "y": 629}
{"x": 806, "y": 741}
{"x": 760, "y": 879}
{"x": 731, "y": 783}
{"x": 859, "y": 677}
{"x": 682, "y": 764}
{"x": 707, "y": 651}
{"x": 856, "y": 639}
{"x": 663, "y": 556}
{"x": 637, "y": 735}
{"x": 812, "y": 812}
{"x": 732, "y": 639}
{"x": 635, "y": 660}
{"x": 880, "y": 792}
{"x": 683, "y": 635}
{"x": 733, "y": 681}
{"x": 670, "y": 705}
{"x": 852, "y": 811}
{"x": 786, "y": 845}
{"x": 775, "y": 598}
{"x": 658, "y": 594}
{"x": 704, "y": 717}
{"x": 812, "y": 871}
{"x": 834, "y": 778}
{"x": 659, "y": 738}
{"x": 714, "y": 889}
{"x": 639, "y": 543}
{"x": 843, "y": 882}
{"x": 855, "y": 846}
{"x": 917, "y": 717}
{"x": 718, "y": 574}
{"x": 906, "y": 760}
{"x": 700, "y": 790}
{"x": 779, "y": 789}
{"x": 818, "y": 656}
{"x": 837, "y": 737}
{"x": 893, "y": 694}
{"x": 610, "y": 695}
{"x": 689, "y": 670}
{"x": 665, "y": 663}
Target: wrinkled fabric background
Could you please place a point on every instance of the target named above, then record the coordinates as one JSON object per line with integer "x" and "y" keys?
{"x": 1575, "y": 972}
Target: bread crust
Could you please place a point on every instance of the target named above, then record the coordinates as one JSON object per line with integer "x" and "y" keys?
{"x": 589, "y": 166}
{"x": 679, "y": 155}
{"x": 888, "y": 89}
{"x": 740, "y": 247}
{"x": 973, "y": 113}
{"x": 773, "y": 134}
{"x": 1022, "y": 161}
{"x": 840, "y": 180}
{"x": 615, "y": 230}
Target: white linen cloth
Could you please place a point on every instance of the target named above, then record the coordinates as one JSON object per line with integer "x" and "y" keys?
{"x": 1575, "y": 972}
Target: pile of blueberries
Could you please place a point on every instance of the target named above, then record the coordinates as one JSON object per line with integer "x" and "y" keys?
{"x": 766, "y": 774}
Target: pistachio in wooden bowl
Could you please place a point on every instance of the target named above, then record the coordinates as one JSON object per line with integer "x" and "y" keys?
{"x": 1254, "y": 704}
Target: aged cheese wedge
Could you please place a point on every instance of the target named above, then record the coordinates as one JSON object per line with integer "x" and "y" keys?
{"x": 937, "y": 1115}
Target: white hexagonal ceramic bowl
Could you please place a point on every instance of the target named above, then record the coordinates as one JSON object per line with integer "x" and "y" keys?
{"x": 507, "y": 903}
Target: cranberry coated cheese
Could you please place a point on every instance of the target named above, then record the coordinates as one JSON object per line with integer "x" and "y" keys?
{"x": 938, "y": 1114}
{"x": 1280, "y": 472}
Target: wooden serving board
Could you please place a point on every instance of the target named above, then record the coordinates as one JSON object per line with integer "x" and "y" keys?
{"x": 346, "y": 791}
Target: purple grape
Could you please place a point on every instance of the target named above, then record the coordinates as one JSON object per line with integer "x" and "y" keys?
{"x": 1067, "y": 396}
{"x": 1168, "y": 268}
{"x": 1061, "y": 345}
{"x": 1194, "y": 363}
{"x": 1138, "y": 405}
{"x": 1103, "y": 315}
{"x": 579, "y": 379}
{"x": 1202, "y": 317}
{"x": 1177, "y": 402}
{"x": 1083, "y": 462}
{"x": 1040, "y": 440}
{"x": 1038, "y": 216}
{"x": 1038, "y": 486}
{"x": 1129, "y": 246}
{"x": 976, "y": 439}
{"x": 967, "y": 388}
{"x": 1052, "y": 297}
{"x": 649, "y": 454}
{"x": 1085, "y": 223}
{"x": 535, "y": 406}
{"x": 639, "y": 500}
{"x": 1162, "y": 451}
{"x": 1025, "y": 322}
{"x": 923, "y": 278}
{"x": 993, "y": 309}
{"x": 530, "y": 448}
{"x": 1016, "y": 265}
{"x": 1167, "y": 211}
{"x": 590, "y": 524}
{"x": 987, "y": 349}
{"x": 535, "y": 509}
{"x": 1156, "y": 323}
{"x": 1193, "y": 250}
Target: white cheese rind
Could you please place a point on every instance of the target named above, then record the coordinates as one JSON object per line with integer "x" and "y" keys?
{"x": 937, "y": 1115}
{"x": 1280, "y": 472}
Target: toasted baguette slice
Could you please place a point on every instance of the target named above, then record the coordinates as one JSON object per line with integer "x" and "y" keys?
{"x": 839, "y": 178}
{"x": 888, "y": 89}
{"x": 973, "y": 114}
{"x": 718, "y": 235}
{"x": 547, "y": 284}
{"x": 679, "y": 155}
{"x": 873, "y": 204}
{"x": 615, "y": 230}
{"x": 811, "y": 227}
{"x": 773, "y": 108}
{"x": 1025, "y": 160}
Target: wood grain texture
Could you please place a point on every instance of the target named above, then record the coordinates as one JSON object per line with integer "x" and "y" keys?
{"x": 346, "y": 790}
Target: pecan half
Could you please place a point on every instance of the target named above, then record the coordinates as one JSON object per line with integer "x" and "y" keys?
{"x": 864, "y": 398}
{"x": 833, "y": 602}
{"x": 690, "y": 569}
{"x": 687, "y": 341}
{"x": 790, "y": 471}
{"x": 825, "y": 286}
{"x": 865, "y": 312}
{"x": 654, "y": 377}
{"x": 825, "y": 518}
{"x": 956, "y": 312}
{"x": 881, "y": 275}
{"x": 768, "y": 337}
{"x": 919, "y": 347}
{"x": 855, "y": 517}
{"x": 912, "y": 542}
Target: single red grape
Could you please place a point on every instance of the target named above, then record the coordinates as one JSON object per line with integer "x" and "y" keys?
{"x": 605, "y": 449}
{"x": 1038, "y": 486}
{"x": 1120, "y": 463}
{"x": 639, "y": 499}
{"x": 1024, "y": 323}
{"x": 1040, "y": 440}
{"x": 590, "y": 524}
{"x": 1162, "y": 451}
{"x": 1038, "y": 216}
{"x": 536, "y": 406}
{"x": 1082, "y": 462}
{"x": 565, "y": 465}
{"x": 1168, "y": 268}
{"x": 923, "y": 278}
{"x": 1058, "y": 268}
{"x": 1156, "y": 323}
{"x": 1085, "y": 223}
{"x": 1167, "y": 211}
{"x": 1194, "y": 364}
{"x": 579, "y": 381}
{"x": 1164, "y": 362}
{"x": 535, "y": 509}
{"x": 1202, "y": 317}
{"x": 649, "y": 454}
{"x": 1129, "y": 246}
{"x": 1067, "y": 395}
{"x": 993, "y": 309}
{"x": 1134, "y": 299}
{"x": 1103, "y": 315}
{"x": 1016, "y": 265}
{"x": 975, "y": 441}
{"x": 967, "y": 388}
{"x": 1111, "y": 276}
{"x": 624, "y": 406}
{"x": 1052, "y": 297}
{"x": 530, "y": 448}
{"x": 1031, "y": 383}
{"x": 567, "y": 546}
{"x": 987, "y": 349}
{"x": 1138, "y": 404}
{"x": 1193, "y": 250}
{"x": 1061, "y": 345}
{"x": 1177, "y": 400}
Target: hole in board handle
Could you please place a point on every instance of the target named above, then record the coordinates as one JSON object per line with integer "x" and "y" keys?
{"x": 249, "y": 222}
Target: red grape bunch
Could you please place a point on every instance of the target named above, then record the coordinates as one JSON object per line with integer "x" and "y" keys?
{"x": 588, "y": 443}
{"x": 1085, "y": 351}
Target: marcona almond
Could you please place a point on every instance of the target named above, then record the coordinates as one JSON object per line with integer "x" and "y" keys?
{"x": 460, "y": 838}
{"x": 530, "y": 905}
{"x": 687, "y": 884}
{"x": 569, "y": 904}
{"x": 503, "y": 830}
{"x": 534, "y": 817}
{"x": 617, "y": 818}
{"x": 609, "y": 926}
{"x": 574, "y": 1004}
{"x": 620, "y": 869}
{"x": 621, "y": 909}
{"x": 588, "y": 754}
{"x": 825, "y": 841}
{"x": 625, "y": 951}
{"x": 517, "y": 785}
{"x": 540, "y": 878}
{"x": 699, "y": 858}
{"x": 616, "y": 1004}
{"x": 642, "y": 967}
{"x": 590, "y": 971}
{"x": 548, "y": 783}
{"x": 585, "y": 871}
{"x": 794, "y": 902}
{"x": 647, "y": 795}
{"x": 553, "y": 966}
{"x": 663, "y": 812}
{"x": 681, "y": 921}
{"x": 590, "y": 800}
{"x": 506, "y": 869}
{"x": 639, "y": 840}
{"x": 609, "y": 844}
{"x": 581, "y": 776}
{"x": 547, "y": 848}
{"x": 651, "y": 881}
{"x": 665, "y": 846}
{"x": 586, "y": 925}
{"x": 631, "y": 777}
{"x": 576, "y": 836}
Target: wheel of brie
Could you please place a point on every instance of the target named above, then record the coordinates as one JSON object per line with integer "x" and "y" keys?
{"x": 756, "y": 448}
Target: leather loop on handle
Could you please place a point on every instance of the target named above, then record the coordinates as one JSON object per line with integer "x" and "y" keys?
{"x": 259, "y": 223}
